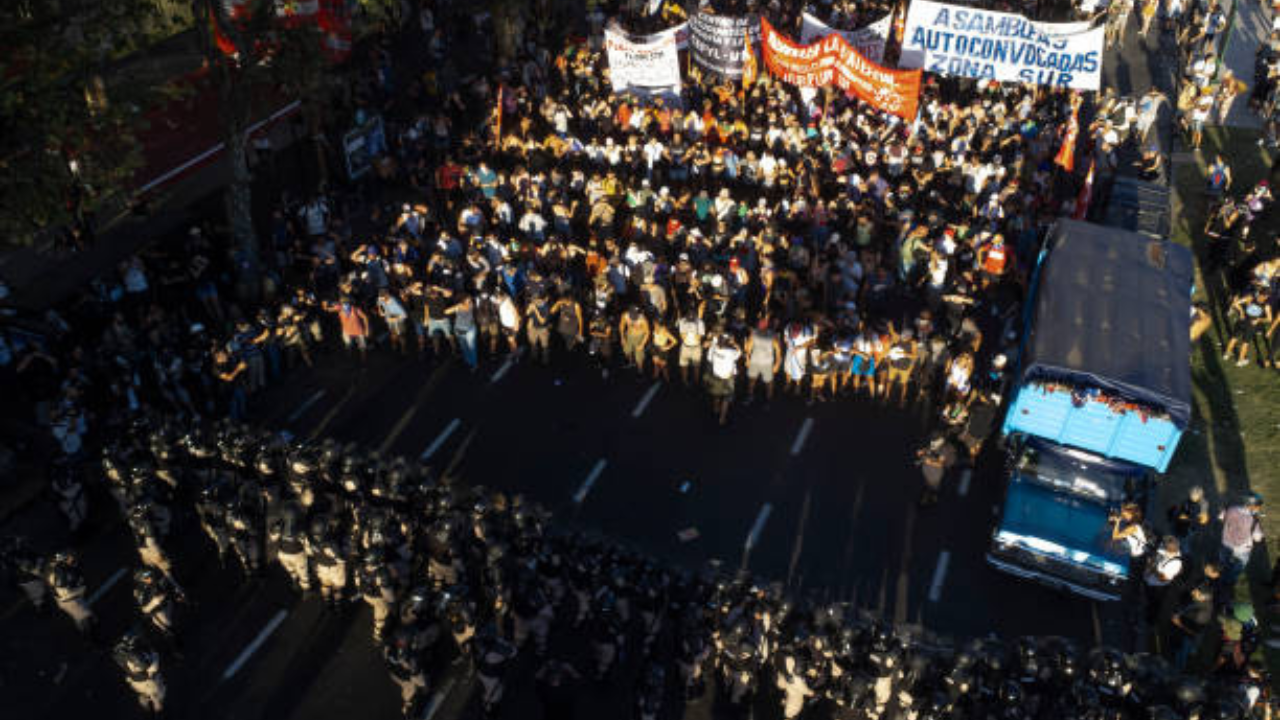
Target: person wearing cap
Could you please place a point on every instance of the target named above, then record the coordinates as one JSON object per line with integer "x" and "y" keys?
{"x": 1241, "y": 530}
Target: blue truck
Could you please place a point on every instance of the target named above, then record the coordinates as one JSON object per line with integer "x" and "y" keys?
{"x": 1102, "y": 395}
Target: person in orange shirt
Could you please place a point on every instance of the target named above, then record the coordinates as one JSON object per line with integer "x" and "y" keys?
{"x": 355, "y": 325}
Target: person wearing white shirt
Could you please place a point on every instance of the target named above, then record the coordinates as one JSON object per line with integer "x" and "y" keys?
{"x": 722, "y": 356}
{"x": 1162, "y": 570}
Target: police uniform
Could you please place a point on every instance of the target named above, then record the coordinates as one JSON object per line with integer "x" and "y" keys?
{"x": 493, "y": 658}
{"x": 149, "y": 550}
{"x": 407, "y": 673}
{"x": 331, "y": 570}
{"x": 67, "y": 584}
{"x": 155, "y": 595}
{"x": 28, "y": 571}
{"x": 377, "y": 590}
{"x": 291, "y": 547}
{"x": 533, "y": 616}
{"x": 246, "y": 537}
{"x": 142, "y": 671}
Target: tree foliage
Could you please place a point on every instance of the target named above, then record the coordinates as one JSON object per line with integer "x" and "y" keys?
{"x": 67, "y": 131}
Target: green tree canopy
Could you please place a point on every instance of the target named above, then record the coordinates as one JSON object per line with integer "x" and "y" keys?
{"x": 67, "y": 127}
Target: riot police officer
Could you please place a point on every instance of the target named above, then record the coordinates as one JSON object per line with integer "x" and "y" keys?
{"x": 493, "y": 657}
{"x": 378, "y": 590}
{"x": 25, "y": 568}
{"x": 148, "y": 545}
{"x": 156, "y": 596}
{"x": 329, "y": 561}
{"x": 533, "y": 615}
{"x": 212, "y": 515}
{"x": 406, "y": 670}
{"x": 141, "y": 665}
{"x": 244, "y": 526}
{"x": 68, "y": 587}
{"x": 291, "y": 545}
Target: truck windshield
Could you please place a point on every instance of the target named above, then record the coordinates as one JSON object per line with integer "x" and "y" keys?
{"x": 1076, "y": 475}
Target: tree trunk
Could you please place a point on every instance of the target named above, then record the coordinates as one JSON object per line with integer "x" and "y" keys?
{"x": 236, "y": 100}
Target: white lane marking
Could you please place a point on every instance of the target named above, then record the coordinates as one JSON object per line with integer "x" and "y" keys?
{"x": 506, "y": 365}
{"x": 333, "y": 413}
{"x": 761, "y": 518}
{"x": 438, "y": 699}
{"x": 939, "y": 574}
{"x": 966, "y": 475}
{"x": 449, "y": 429}
{"x": 644, "y": 401}
{"x": 801, "y": 436}
{"x": 799, "y": 543}
{"x": 254, "y": 646}
{"x": 104, "y": 587}
{"x": 400, "y": 425}
{"x": 315, "y": 398}
{"x": 581, "y": 495}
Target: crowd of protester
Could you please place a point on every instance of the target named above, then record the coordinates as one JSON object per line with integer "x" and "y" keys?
{"x": 749, "y": 237}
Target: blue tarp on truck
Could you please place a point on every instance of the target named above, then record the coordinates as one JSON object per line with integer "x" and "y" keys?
{"x": 1106, "y": 360}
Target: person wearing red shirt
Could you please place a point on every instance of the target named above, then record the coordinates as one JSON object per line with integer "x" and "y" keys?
{"x": 355, "y": 326}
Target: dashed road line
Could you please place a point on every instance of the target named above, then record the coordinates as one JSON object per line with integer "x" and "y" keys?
{"x": 939, "y": 575}
{"x": 758, "y": 526}
{"x": 400, "y": 425}
{"x": 106, "y": 586}
{"x": 802, "y": 436}
{"x": 799, "y": 543}
{"x": 644, "y": 401}
{"x": 333, "y": 413}
{"x": 254, "y": 646}
{"x": 305, "y": 406}
{"x": 440, "y": 440}
{"x": 587, "y": 484}
{"x": 502, "y": 370}
{"x": 438, "y": 699}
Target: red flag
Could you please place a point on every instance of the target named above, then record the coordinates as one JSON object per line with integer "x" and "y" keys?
{"x": 1065, "y": 156}
{"x": 1086, "y": 195}
{"x": 223, "y": 42}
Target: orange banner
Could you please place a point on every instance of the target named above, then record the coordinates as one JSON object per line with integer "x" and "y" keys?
{"x": 832, "y": 60}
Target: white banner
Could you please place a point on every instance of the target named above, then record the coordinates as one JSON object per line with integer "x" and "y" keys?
{"x": 650, "y": 67}
{"x": 983, "y": 44}
{"x": 868, "y": 41}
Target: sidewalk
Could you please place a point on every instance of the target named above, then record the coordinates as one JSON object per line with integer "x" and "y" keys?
{"x": 40, "y": 278}
{"x": 1249, "y": 30}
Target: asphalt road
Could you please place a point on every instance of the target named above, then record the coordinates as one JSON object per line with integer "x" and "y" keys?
{"x": 829, "y": 490}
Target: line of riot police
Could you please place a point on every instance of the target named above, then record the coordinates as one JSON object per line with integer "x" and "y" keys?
{"x": 477, "y": 578}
